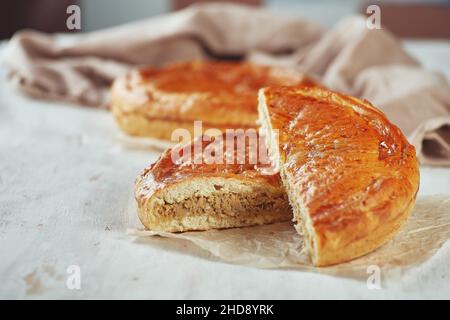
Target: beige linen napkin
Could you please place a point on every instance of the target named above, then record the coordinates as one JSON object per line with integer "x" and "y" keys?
{"x": 370, "y": 64}
{"x": 280, "y": 246}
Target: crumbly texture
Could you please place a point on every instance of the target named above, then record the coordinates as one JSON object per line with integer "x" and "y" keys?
{"x": 216, "y": 210}
{"x": 185, "y": 196}
{"x": 350, "y": 175}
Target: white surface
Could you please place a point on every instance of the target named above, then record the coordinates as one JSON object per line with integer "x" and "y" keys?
{"x": 66, "y": 183}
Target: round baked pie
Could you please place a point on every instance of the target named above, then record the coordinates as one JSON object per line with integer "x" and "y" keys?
{"x": 153, "y": 102}
{"x": 350, "y": 175}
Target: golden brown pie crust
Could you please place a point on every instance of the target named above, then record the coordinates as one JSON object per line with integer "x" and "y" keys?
{"x": 155, "y": 101}
{"x": 350, "y": 174}
{"x": 231, "y": 194}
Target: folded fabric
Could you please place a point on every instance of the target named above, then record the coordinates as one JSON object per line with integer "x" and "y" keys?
{"x": 370, "y": 64}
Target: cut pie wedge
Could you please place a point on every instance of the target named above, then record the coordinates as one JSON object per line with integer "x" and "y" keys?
{"x": 191, "y": 193}
{"x": 350, "y": 175}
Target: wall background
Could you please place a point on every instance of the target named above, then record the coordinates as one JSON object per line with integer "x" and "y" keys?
{"x": 407, "y": 18}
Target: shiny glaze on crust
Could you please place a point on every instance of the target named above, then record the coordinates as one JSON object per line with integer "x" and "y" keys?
{"x": 217, "y": 92}
{"x": 348, "y": 164}
{"x": 165, "y": 172}
{"x": 217, "y": 78}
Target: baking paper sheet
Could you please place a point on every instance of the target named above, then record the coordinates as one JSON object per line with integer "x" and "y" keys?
{"x": 280, "y": 246}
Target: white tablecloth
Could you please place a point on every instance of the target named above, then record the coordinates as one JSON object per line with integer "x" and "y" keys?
{"x": 66, "y": 181}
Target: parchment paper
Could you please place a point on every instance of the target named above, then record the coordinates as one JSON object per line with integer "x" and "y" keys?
{"x": 280, "y": 246}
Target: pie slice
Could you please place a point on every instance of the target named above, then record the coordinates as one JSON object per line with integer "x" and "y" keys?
{"x": 153, "y": 102}
{"x": 189, "y": 192}
{"x": 350, "y": 175}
